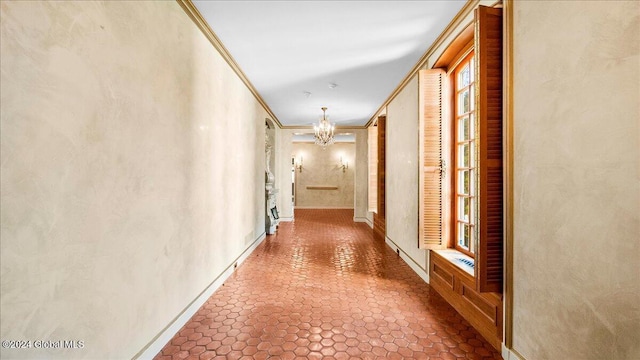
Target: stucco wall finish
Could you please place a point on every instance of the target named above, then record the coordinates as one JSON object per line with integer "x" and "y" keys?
{"x": 284, "y": 183}
{"x": 402, "y": 173}
{"x": 132, "y": 165}
{"x": 576, "y": 179}
{"x": 361, "y": 175}
{"x": 285, "y": 150}
{"x": 321, "y": 168}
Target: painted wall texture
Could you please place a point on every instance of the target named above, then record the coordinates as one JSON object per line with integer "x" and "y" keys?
{"x": 132, "y": 164}
{"x": 361, "y": 177}
{"x": 284, "y": 183}
{"x": 321, "y": 167}
{"x": 577, "y": 179}
{"x": 402, "y": 165}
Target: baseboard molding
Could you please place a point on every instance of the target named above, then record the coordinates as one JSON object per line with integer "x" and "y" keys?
{"x": 156, "y": 345}
{"x": 323, "y": 207}
{"x": 286, "y": 219}
{"x": 424, "y": 274}
{"x": 509, "y": 354}
{"x": 364, "y": 220}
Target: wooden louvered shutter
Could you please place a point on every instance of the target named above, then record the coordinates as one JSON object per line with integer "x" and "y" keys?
{"x": 488, "y": 49}
{"x": 379, "y": 220}
{"x": 373, "y": 169}
{"x": 431, "y": 174}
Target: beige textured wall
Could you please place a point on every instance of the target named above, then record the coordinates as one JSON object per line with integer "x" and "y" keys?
{"x": 361, "y": 176}
{"x": 321, "y": 168}
{"x": 576, "y": 178}
{"x": 132, "y": 172}
{"x": 402, "y": 164}
{"x": 284, "y": 142}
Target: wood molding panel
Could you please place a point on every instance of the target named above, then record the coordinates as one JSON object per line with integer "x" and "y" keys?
{"x": 322, "y": 188}
{"x": 482, "y": 310}
{"x": 488, "y": 47}
{"x": 442, "y": 274}
{"x": 379, "y": 218}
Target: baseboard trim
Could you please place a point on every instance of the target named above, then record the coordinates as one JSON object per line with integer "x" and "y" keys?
{"x": 510, "y": 354}
{"x": 160, "y": 340}
{"x": 323, "y": 207}
{"x": 286, "y": 219}
{"x": 424, "y": 274}
{"x": 364, "y": 220}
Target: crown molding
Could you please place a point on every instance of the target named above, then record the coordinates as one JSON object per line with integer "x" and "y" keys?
{"x": 189, "y": 7}
{"x": 455, "y": 22}
{"x": 508, "y": 181}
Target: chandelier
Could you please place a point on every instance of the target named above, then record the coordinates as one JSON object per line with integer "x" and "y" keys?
{"x": 324, "y": 130}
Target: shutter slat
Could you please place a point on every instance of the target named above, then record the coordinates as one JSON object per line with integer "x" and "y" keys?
{"x": 488, "y": 48}
{"x": 373, "y": 169}
{"x": 430, "y": 90}
{"x": 379, "y": 218}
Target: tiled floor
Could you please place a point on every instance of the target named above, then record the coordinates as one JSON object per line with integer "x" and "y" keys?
{"x": 322, "y": 287}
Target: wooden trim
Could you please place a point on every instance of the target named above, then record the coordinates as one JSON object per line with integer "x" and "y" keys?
{"x": 195, "y": 15}
{"x": 372, "y": 169}
{"x": 379, "y": 217}
{"x": 460, "y": 57}
{"x": 488, "y": 48}
{"x": 448, "y": 142}
{"x": 508, "y": 171}
{"x": 458, "y": 247}
{"x": 456, "y": 50}
{"x": 482, "y": 310}
{"x": 441, "y": 273}
{"x": 382, "y": 165}
{"x": 322, "y": 187}
{"x": 431, "y": 173}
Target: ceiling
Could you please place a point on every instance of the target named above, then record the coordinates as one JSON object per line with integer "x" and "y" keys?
{"x": 346, "y": 55}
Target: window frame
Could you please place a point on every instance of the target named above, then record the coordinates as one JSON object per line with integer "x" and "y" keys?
{"x": 461, "y": 62}
{"x": 437, "y": 154}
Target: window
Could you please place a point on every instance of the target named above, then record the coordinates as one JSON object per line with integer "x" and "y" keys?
{"x": 461, "y": 205}
{"x": 464, "y": 157}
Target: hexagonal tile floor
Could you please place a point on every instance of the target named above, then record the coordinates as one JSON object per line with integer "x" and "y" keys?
{"x": 324, "y": 288}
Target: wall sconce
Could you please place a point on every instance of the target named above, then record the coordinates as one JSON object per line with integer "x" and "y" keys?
{"x": 299, "y": 165}
{"x": 343, "y": 164}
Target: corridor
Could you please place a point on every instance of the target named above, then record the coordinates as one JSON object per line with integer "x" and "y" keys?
{"x": 323, "y": 287}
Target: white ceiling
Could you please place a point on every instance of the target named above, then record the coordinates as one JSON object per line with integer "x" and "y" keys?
{"x": 366, "y": 48}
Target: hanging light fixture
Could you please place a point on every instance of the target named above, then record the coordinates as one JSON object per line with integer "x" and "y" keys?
{"x": 324, "y": 130}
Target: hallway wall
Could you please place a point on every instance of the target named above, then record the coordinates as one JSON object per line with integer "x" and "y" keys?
{"x": 284, "y": 144}
{"x": 361, "y": 213}
{"x": 131, "y": 178}
{"x": 321, "y": 168}
{"x": 576, "y": 178}
{"x": 285, "y": 149}
{"x": 402, "y": 186}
